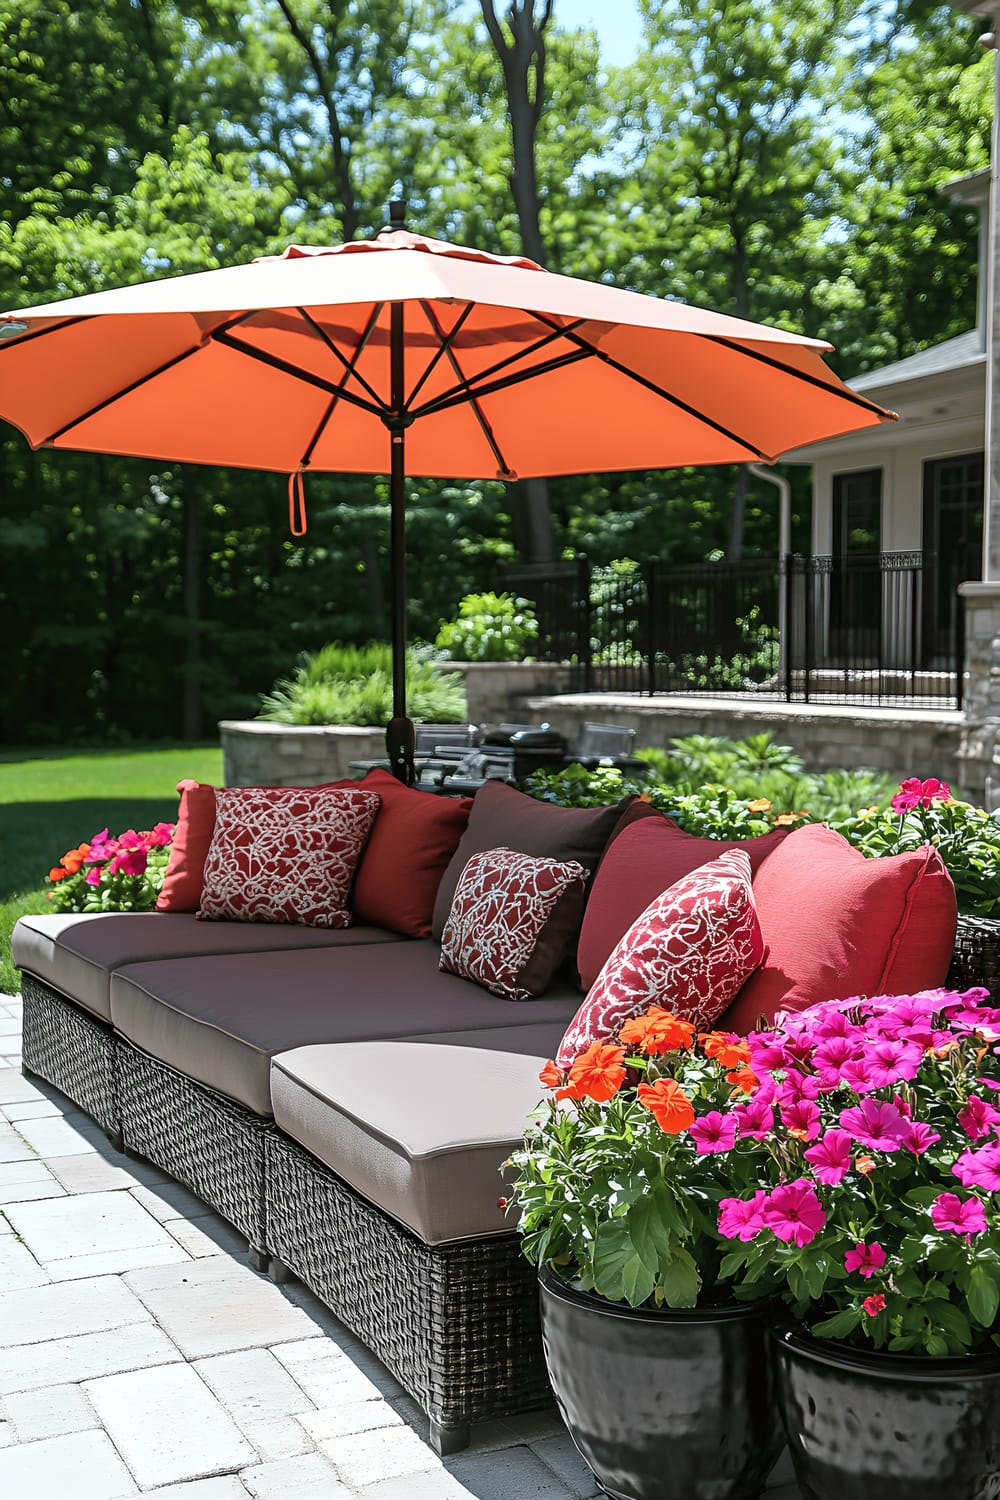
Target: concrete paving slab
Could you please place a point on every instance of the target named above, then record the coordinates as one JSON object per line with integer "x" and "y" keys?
{"x": 347, "y": 1418}
{"x": 216, "y": 1306}
{"x": 169, "y": 1201}
{"x": 276, "y": 1437}
{"x": 428, "y": 1485}
{"x": 90, "y": 1172}
{"x": 15, "y": 1088}
{"x": 13, "y": 1146}
{"x": 24, "y": 1367}
{"x": 83, "y": 1465}
{"x": 309, "y": 1478}
{"x": 30, "y": 1109}
{"x": 388, "y": 1452}
{"x": 511, "y": 1474}
{"x": 88, "y": 1224}
{"x": 28, "y": 1169}
{"x": 253, "y": 1384}
{"x": 37, "y": 1314}
{"x": 28, "y": 1192}
{"x": 107, "y": 1262}
{"x": 228, "y": 1488}
{"x": 167, "y": 1425}
{"x": 18, "y": 1267}
{"x": 206, "y": 1235}
{"x": 326, "y": 1374}
{"x": 50, "y": 1412}
{"x": 55, "y": 1136}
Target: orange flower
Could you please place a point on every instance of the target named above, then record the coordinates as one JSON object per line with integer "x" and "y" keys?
{"x": 762, "y": 804}
{"x": 550, "y": 1075}
{"x": 864, "y": 1164}
{"x": 657, "y": 1031}
{"x": 728, "y": 1050}
{"x": 58, "y": 873}
{"x": 743, "y": 1079}
{"x": 597, "y": 1073}
{"x": 668, "y": 1104}
{"x": 73, "y": 860}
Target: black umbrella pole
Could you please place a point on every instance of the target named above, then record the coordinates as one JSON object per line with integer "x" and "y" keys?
{"x": 400, "y": 738}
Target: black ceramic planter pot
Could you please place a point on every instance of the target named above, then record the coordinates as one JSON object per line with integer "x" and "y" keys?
{"x": 669, "y": 1405}
{"x": 876, "y": 1426}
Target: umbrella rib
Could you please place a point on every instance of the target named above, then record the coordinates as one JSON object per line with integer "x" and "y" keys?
{"x": 487, "y": 431}
{"x": 444, "y": 347}
{"x": 349, "y": 364}
{"x": 658, "y": 390}
{"x": 459, "y": 396}
{"x": 127, "y": 390}
{"x": 296, "y": 373}
{"x": 366, "y": 334}
{"x": 775, "y": 364}
{"x": 503, "y": 364}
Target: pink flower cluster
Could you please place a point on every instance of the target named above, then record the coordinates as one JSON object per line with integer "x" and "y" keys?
{"x": 128, "y": 854}
{"x": 915, "y": 793}
{"x": 841, "y": 1089}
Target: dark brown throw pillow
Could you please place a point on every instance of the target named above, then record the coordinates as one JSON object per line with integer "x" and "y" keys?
{"x": 503, "y": 816}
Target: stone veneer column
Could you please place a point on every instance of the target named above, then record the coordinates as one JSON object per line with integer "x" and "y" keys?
{"x": 979, "y": 752}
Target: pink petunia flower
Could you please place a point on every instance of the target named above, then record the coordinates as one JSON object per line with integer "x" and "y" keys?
{"x": 978, "y": 1118}
{"x": 160, "y": 835}
{"x": 767, "y": 1051}
{"x": 859, "y": 1075}
{"x": 980, "y": 1168}
{"x": 755, "y": 1119}
{"x": 893, "y": 1061}
{"x": 833, "y": 1052}
{"x": 801, "y": 1119}
{"x": 958, "y": 1215}
{"x": 830, "y": 1158}
{"x": 797, "y": 1086}
{"x": 93, "y": 876}
{"x": 916, "y": 793}
{"x": 867, "y": 1259}
{"x": 874, "y": 1304}
{"x": 741, "y": 1218}
{"x": 794, "y": 1213}
{"x": 874, "y": 1124}
{"x": 101, "y": 847}
{"x": 713, "y": 1132}
{"x": 917, "y": 1137}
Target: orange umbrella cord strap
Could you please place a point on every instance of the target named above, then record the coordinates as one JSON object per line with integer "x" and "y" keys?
{"x": 298, "y": 523}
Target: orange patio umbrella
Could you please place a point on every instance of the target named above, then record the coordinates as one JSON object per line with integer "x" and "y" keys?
{"x": 409, "y": 355}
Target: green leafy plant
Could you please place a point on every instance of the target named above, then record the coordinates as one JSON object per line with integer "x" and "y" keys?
{"x": 112, "y": 874}
{"x": 615, "y": 1187}
{"x": 342, "y": 684}
{"x": 490, "y": 627}
{"x": 874, "y": 1217}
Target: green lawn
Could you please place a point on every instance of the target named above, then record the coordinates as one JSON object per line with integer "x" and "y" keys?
{"x": 51, "y": 801}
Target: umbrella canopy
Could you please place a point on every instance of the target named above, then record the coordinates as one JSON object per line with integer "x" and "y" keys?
{"x": 408, "y": 355}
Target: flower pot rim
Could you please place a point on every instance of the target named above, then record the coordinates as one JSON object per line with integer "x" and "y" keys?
{"x": 884, "y": 1363}
{"x": 555, "y": 1286}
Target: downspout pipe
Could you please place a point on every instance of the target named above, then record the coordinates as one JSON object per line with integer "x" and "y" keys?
{"x": 760, "y": 471}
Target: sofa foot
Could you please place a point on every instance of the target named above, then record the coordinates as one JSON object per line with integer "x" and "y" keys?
{"x": 259, "y": 1259}
{"x": 116, "y": 1140}
{"x": 445, "y": 1440}
{"x": 278, "y": 1271}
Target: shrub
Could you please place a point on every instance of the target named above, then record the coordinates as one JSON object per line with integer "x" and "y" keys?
{"x": 490, "y": 627}
{"x": 353, "y": 685}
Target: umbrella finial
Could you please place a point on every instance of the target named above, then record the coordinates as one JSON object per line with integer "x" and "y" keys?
{"x": 397, "y": 213}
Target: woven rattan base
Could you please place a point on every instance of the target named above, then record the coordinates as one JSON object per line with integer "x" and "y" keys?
{"x": 212, "y": 1145}
{"x": 72, "y": 1049}
{"x": 456, "y": 1324}
{"x": 976, "y": 959}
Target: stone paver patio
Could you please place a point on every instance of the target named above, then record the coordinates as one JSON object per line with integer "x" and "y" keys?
{"x": 139, "y": 1354}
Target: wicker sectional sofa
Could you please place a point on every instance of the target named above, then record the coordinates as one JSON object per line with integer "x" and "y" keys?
{"x": 344, "y": 1104}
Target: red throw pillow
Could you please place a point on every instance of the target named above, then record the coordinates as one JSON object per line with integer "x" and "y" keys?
{"x": 285, "y": 855}
{"x": 512, "y": 920}
{"x": 689, "y": 951}
{"x": 415, "y": 835}
{"x": 185, "y": 874}
{"x": 645, "y": 858}
{"x": 837, "y": 924}
{"x": 184, "y": 879}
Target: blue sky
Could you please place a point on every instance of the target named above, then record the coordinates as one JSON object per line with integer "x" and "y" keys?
{"x": 615, "y": 21}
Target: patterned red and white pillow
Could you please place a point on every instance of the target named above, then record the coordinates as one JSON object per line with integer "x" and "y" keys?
{"x": 285, "y": 854}
{"x": 512, "y": 920}
{"x": 690, "y": 951}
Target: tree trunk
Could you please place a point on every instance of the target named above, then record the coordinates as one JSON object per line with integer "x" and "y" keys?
{"x": 191, "y": 710}
{"x": 523, "y": 62}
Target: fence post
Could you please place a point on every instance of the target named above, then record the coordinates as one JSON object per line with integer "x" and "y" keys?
{"x": 958, "y": 635}
{"x": 583, "y": 647}
{"x": 651, "y": 613}
{"x": 809, "y": 573}
{"x": 785, "y": 615}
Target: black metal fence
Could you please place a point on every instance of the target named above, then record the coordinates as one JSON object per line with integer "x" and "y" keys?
{"x": 883, "y": 628}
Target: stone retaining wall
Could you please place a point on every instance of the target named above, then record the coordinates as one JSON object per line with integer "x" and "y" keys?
{"x": 255, "y": 753}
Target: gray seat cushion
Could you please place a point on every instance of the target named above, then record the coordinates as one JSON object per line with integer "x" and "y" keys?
{"x": 419, "y": 1128}
{"x": 74, "y": 952}
{"x": 220, "y": 1019}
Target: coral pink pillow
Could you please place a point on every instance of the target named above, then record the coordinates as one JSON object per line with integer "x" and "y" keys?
{"x": 414, "y": 837}
{"x": 689, "y": 951}
{"x": 646, "y": 857}
{"x": 512, "y": 919}
{"x": 285, "y": 855}
{"x": 185, "y": 874}
{"x": 837, "y": 924}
